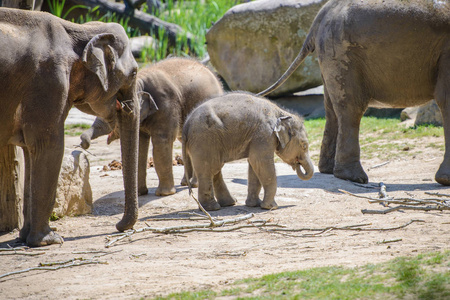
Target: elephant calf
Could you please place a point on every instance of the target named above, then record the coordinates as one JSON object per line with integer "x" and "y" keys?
{"x": 170, "y": 90}
{"x": 241, "y": 125}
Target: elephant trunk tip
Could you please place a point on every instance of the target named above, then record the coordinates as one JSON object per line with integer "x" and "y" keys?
{"x": 308, "y": 172}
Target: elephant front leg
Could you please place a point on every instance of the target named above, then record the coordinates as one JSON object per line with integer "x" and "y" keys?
{"x": 221, "y": 191}
{"x": 25, "y": 230}
{"x": 45, "y": 159}
{"x": 254, "y": 188}
{"x": 144, "y": 141}
{"x": 265, "y": 172}
{"x": 162, "y": 158}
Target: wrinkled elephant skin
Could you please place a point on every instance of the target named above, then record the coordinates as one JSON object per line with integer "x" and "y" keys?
{"x": 47, "y": 65}
{"x": 389, "y": 53}
{"x": 237, "y": 126}
{"x": 169, "y": 90}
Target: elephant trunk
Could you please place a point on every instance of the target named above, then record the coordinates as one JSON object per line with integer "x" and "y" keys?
{"x": 308, "y": 166}
{"x": 128, "y": 121}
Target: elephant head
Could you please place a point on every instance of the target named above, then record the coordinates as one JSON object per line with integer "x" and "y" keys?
{"x": 293, "y": 145}
{"x": 104, "y": 84}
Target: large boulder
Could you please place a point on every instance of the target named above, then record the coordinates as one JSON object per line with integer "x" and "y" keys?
{"x": 254, "y": 43}
{"x": 73, "y": 194}
{"x": 428, "y": 113}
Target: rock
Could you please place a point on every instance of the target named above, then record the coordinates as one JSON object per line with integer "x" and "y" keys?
{"x": 73, "y": 193}
{"x": 409, "y": 113}
{"x": 254, "y": 43}
{"x": 429, "y": 113}
{"x": 138, "y": 44}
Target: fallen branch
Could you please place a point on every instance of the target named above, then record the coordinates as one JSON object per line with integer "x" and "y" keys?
{"x": 379, "y": 165}
{"x": 22, "y": 250}
{"x": 49, "y": 266}
{"x": 176, "y": 229}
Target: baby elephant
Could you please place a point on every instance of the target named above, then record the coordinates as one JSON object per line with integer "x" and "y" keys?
{"x": 169, "y": 90}
{"x": 241, "y": 125}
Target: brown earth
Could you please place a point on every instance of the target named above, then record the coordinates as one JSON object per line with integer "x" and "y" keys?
{"x": 152, "y": 264}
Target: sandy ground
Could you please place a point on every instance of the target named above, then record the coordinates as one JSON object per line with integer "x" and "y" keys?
{"x": 152, "y": 264}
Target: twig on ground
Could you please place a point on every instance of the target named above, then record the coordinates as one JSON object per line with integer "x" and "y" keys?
{"x": 380, "y": 165}
{"x": 390, "y": 241}
{"x": 22, "y": 250}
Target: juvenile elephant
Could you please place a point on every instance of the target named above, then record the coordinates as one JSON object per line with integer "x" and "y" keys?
{"x": 389, "y": 53}
{"x": 170, "y": 90}
{"x": 236, "y": 126}
{"x": 46, "y": 66}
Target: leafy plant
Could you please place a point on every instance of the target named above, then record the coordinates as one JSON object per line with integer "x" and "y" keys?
{"x": 56, "y": 7}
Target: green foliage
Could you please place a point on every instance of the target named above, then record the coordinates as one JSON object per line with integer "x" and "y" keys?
{"x": 194, "y": 17}
{"x": 426, "y": 276}
{"x": 57, "y": 6}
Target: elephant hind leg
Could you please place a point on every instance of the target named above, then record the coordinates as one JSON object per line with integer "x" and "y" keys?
{"x": 442, "y": 96}
{"x": 328, "y": 148}
{"x": 254, "y": 188}
{"x": 221, "y": 191}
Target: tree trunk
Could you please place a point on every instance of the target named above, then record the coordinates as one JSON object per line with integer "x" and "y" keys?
{"x": 146, "y": 23}
{"x": 11, "y": 187}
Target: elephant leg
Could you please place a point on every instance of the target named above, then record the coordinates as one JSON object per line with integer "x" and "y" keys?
{"x": 347, "y": 161}
{"x": 264, "y": 169}
{"x": 442, "y": 96}
{"x": 45, "y": 158}
{"x": 162, "y": 158}
{"x": 254, "y": 188}
{"x": 221, "y": 191}
{"x": 26, "y": 199}
{"x": 144, "y": 142}
{"x": 328, "y": 148}
{"x": 206, "y": 192}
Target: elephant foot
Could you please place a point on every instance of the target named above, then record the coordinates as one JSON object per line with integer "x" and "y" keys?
{"x": 269, "y": 205}
{"x": 194, "y": 182}
{"x": 353, "y": 172}
{"x": 44, "y": 239}
{"x": 24, "y": 232}
{"x": 326, "y": 166}
{"x": 210, "y": 205}
{"x": 142, "y": 191}
{"x": 165, "y": 191}
{"x": 442, "y": 176}
{"x": 229, "y": 201}
{"x": 253, "y": 202}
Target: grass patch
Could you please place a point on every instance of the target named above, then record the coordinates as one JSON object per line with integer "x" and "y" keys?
{"x": 75, "y": 129}
{"x": 382, "y": 138}
{"x": 426, "y": 276}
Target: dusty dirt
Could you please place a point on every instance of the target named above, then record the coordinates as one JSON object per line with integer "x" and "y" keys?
{"x": 157, "y": 264}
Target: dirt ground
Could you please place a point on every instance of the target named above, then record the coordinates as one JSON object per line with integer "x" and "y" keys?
{"x": 152, "y": 264}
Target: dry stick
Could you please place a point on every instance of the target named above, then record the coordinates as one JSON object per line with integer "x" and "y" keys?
{"x": 176, "y": 229}
{"x": 438, "y": 194}
{"x": 405, "y": 207}
{"x": 351, "y": 228}
{"x": 379, "y": 165}
{"x": 49, "y": 268}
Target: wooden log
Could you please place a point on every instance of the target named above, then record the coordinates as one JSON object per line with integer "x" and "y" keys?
{"x": 11, "y": 187}
{"x": 147, "y": 24}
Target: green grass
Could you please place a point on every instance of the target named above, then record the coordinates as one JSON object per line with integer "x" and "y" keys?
{"x": 195, "y": 17}
{"x": 75, "y": 129}
{"x": 426, "y": 276}
{"x": 382, "y": 138}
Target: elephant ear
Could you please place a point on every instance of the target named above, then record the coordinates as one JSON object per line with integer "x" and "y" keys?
{"x": 148, "y": 105}
{"x": 99, "y": 57}
{"x": 282, "y": 130}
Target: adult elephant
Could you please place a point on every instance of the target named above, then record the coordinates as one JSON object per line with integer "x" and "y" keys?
{"x": 47, "y": 65}
{"x": 388, "y": 53}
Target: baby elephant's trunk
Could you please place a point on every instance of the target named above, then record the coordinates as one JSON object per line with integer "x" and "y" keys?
{"x": 307, "y": 166}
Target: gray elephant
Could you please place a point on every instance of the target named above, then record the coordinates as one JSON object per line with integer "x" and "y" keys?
{"x": 389, "y": 53}
{"x": 170, "y": 90}
{"x": 46, "y": 66}
{"x": 241, "y": 125}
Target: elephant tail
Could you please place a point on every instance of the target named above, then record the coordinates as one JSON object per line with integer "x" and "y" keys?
{"x": 308, "y": 47}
